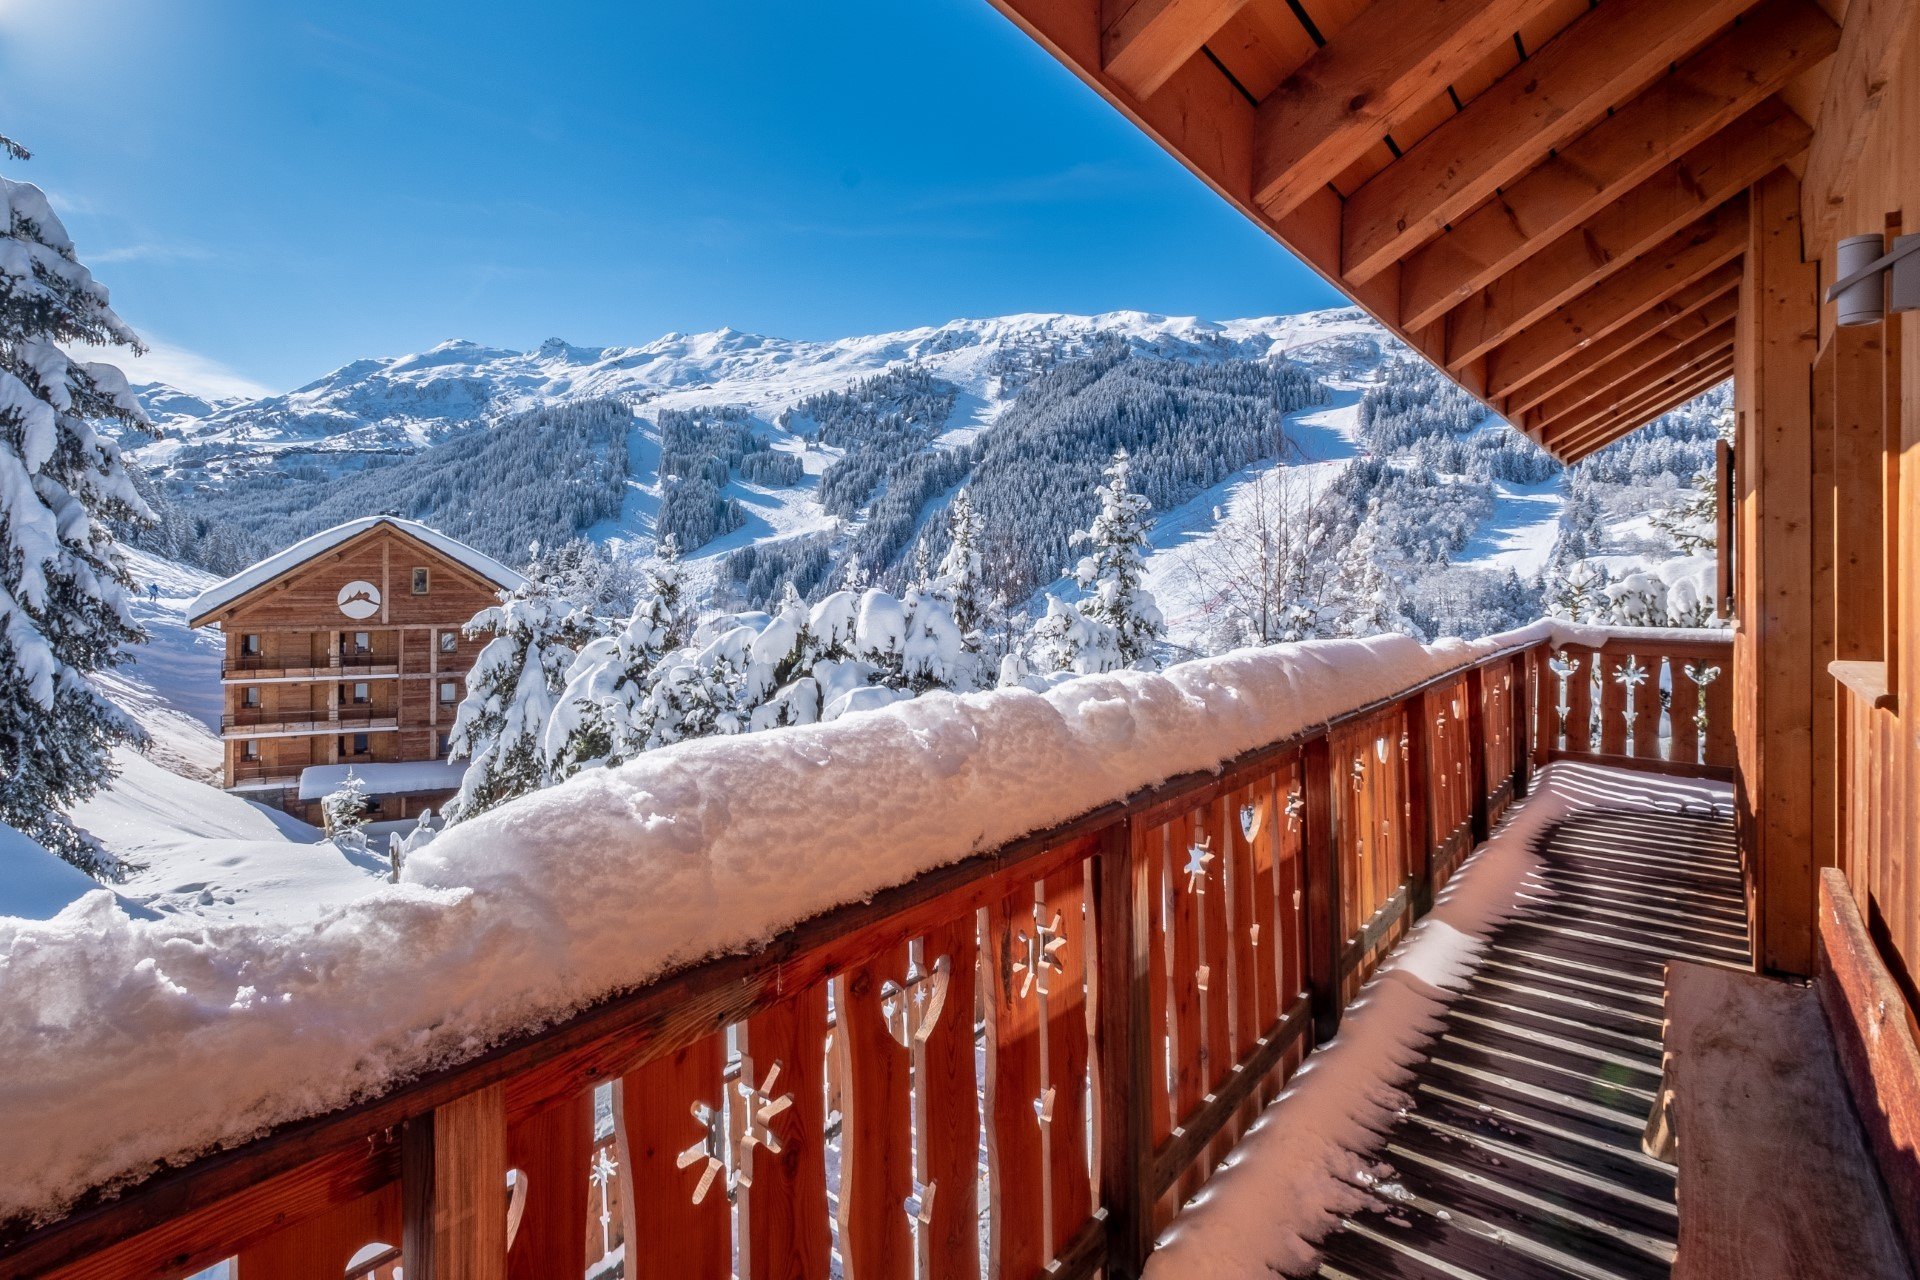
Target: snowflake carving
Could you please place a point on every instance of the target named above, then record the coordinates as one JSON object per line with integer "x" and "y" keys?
{"x": 1296, "y": 804}
{"x": 601, "y": 1175}
{"x": 710, "y": 1152}
{"x": 1041, "y": 957}
{"x": 1359, "y": 772}
{"x": 1199, "y": 854}
{"x": 761, "y": 1106}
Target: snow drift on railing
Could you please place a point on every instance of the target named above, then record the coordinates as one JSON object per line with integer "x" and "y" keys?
{"x": 129, "y": 1043}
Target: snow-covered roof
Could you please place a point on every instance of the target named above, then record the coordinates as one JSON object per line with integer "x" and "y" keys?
{"x": 225, "y": 593}
{"x": 389, "y": 778}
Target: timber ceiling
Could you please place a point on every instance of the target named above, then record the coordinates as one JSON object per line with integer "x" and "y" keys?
{"x": 1545, "y": 197}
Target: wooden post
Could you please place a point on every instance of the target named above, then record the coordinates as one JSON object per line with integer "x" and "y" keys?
{"x": 1320, "y": 859}
{"x": 1477, "y": 750}
{"x": 553, "y": 1151}
{"x": 1523, "y": 696}
{"x": 1122, "y": 899}
{"x": 453, "y": 1176}
{"x": 1419, "y": 783}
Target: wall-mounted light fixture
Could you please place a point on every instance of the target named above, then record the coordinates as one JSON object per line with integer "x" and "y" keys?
{"x": 1862, "y": 266}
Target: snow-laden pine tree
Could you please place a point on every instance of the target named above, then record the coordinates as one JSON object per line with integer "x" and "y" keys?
{"x": 602, "y": 714}
{"x": 345, "y": 812}
{"x": 63, "y": 605}
{"x": 501, "y": 724}
{"x": 1113, "y": 570}
{"x": 962, "y": 570}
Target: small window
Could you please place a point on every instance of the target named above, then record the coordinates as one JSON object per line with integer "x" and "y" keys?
{"x": 419, "y": 582}
{"x": 362, "y": 694}
{"x": 250, "y": 645}
{"x": 362, "y": 642}
{"x": 449, "y": 693}
{"x": 250, "y": 749}
{"x": 250, "y": 696}
{"x": 444, "y": 747}
{"x": 360, "y": 747}
{"x": 449, "y": 642}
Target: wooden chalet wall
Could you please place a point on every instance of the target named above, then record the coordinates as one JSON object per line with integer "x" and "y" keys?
{"x": 1828, "y": 479}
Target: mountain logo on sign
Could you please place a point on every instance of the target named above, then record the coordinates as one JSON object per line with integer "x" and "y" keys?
{"x": 359, "y": 599}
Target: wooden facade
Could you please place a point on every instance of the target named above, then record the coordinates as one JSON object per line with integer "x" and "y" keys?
{"x": 353, "y": 656}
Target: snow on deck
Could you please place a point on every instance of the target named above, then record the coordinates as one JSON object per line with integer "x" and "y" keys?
{"x": 562, "y": 898}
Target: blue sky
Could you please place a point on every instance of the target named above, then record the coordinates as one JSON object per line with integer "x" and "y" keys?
{"x": 273, "y": 189}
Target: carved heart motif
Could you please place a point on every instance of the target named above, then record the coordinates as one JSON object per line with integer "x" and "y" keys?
{"x": 1252, "y": 816}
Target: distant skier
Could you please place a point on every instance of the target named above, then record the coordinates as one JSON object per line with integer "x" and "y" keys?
{"x": 153, "y": 592}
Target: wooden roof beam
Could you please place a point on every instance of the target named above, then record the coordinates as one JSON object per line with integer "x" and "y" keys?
{"x": 1643, "y": 284}
{"x": 1143, "y": 42}
{"x": 1662, "y": 206}
{"x": 1393, "y": 56}
{"x": 1599, "y": 60}
{"x": 1770, "y": 45}
{"x": 1583, "y": 423}
{"x": 1667, "y": 315}
{"x": 1665, "y": 347}
{"x": 1606, "y": 435}
{"x": 1687, "y": 355}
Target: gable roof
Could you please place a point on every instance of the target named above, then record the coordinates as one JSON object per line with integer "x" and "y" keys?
{"x": 222, "y": 594}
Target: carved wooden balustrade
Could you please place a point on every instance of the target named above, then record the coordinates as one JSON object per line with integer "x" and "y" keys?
{"x": 1019, "y": 1064}
{"x": 1649, "y": 700}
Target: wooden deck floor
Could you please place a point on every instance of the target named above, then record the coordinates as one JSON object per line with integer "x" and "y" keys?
{"x": 1520, "y": 1158}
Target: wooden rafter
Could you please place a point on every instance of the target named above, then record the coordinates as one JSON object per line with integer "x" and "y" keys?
{"x": 1701, "y": 349}
{"x": 1143, "y": 42}
{"x": 1659, "y": 348}
{"x": 1596, "y": 62}
{"x": 1705, "y": 371}
{"x": 1670, "y": 314}
{"x": 1606, "y": 436}
{"x": 1716, "y": 170}
{"x": 1770, "y": 45}
{"x": 1677, "y": 262}
{"x": 1395, "y": 55}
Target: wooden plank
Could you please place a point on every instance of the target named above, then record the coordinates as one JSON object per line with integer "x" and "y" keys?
{"x": 1016, "y": 1153}
{"x": 1581, "y": 434}
{"x": 1771, "y": 44}
{"x": 320, "y": 1247}
{"x": 1521, "y": 389}
{"x": 1676, "y": 262}
{"x": 1685, "y": 715}
{"x": 654, "y": 1122}
{"x": 1719, "y": 731}
{"x": 1478, "y": 784}
{"x": 1068, "y": 1049}
{"x": 1580, "y": 698}
{"x": 1143, "y": 42}
{"x": 947, "y": 1108}
{"x": 1394, "y": 56}
{"x": 1879, "y": 1058}
{"x": 1123, "y": 890}
{"x": 1645, "y": 720}
{"x": 1786, "y": 322}
{"x": 1320, "y": 868}
{"x": 1154, "y": 850}
{"x": 876, "y": 1158}
{"x": 1858, "y": 545}
{"x": 1863, "y": 70}
{"x": 454, "y": 1190}
{"x": 1613, "y": 703}
{"x": 1634, "y": 224}
{"x": 783, "y": 1209}
{"x": 1209, "y": 889}
{"x": 1183, "y": 974}
{"x": 1775, "y": 1179}
{"x": 1241, "y": 812}
{"x": 553, "y": 1151}
{"x": 1596, "y": 62}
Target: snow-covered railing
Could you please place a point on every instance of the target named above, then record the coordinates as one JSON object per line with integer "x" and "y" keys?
{"x": 1652, "y": 698}
{"x": 1101, "y": 1007}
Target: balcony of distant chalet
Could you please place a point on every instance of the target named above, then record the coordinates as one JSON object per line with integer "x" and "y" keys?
{"x": 1676, "y": 1035}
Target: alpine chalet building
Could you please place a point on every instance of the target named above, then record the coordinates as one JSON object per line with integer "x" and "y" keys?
{"x": 344, "y": 652}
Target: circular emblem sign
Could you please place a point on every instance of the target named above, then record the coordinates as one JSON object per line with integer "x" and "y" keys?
{"x": 359, "y": 599}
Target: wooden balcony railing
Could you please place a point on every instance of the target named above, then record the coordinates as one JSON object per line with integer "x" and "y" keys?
{"x": 1101, "y": 1009}
{"x": 1652, "y": 700}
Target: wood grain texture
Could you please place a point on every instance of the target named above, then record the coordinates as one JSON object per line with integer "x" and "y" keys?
{"x": 553, "y": 1151}
{"x": 1775, "y": 1177}
{"x": 947, "y": 1109}
{"x": 1016, "y": 1148}
{"x": 454, "y": 1190}
{"x": 876, "y": 1156}
{"x": 784, "y": 1227}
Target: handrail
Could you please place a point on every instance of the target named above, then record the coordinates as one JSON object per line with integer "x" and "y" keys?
{"x": 1319, "y": 851}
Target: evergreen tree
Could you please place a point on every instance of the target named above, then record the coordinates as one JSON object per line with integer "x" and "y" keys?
{"x": 345, "y": 812}
{"x": 501, "y": 723}
{"x": 1112, "y": 572}
{"x": 960, "y": 568}
{"x": 64, "y": 612}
